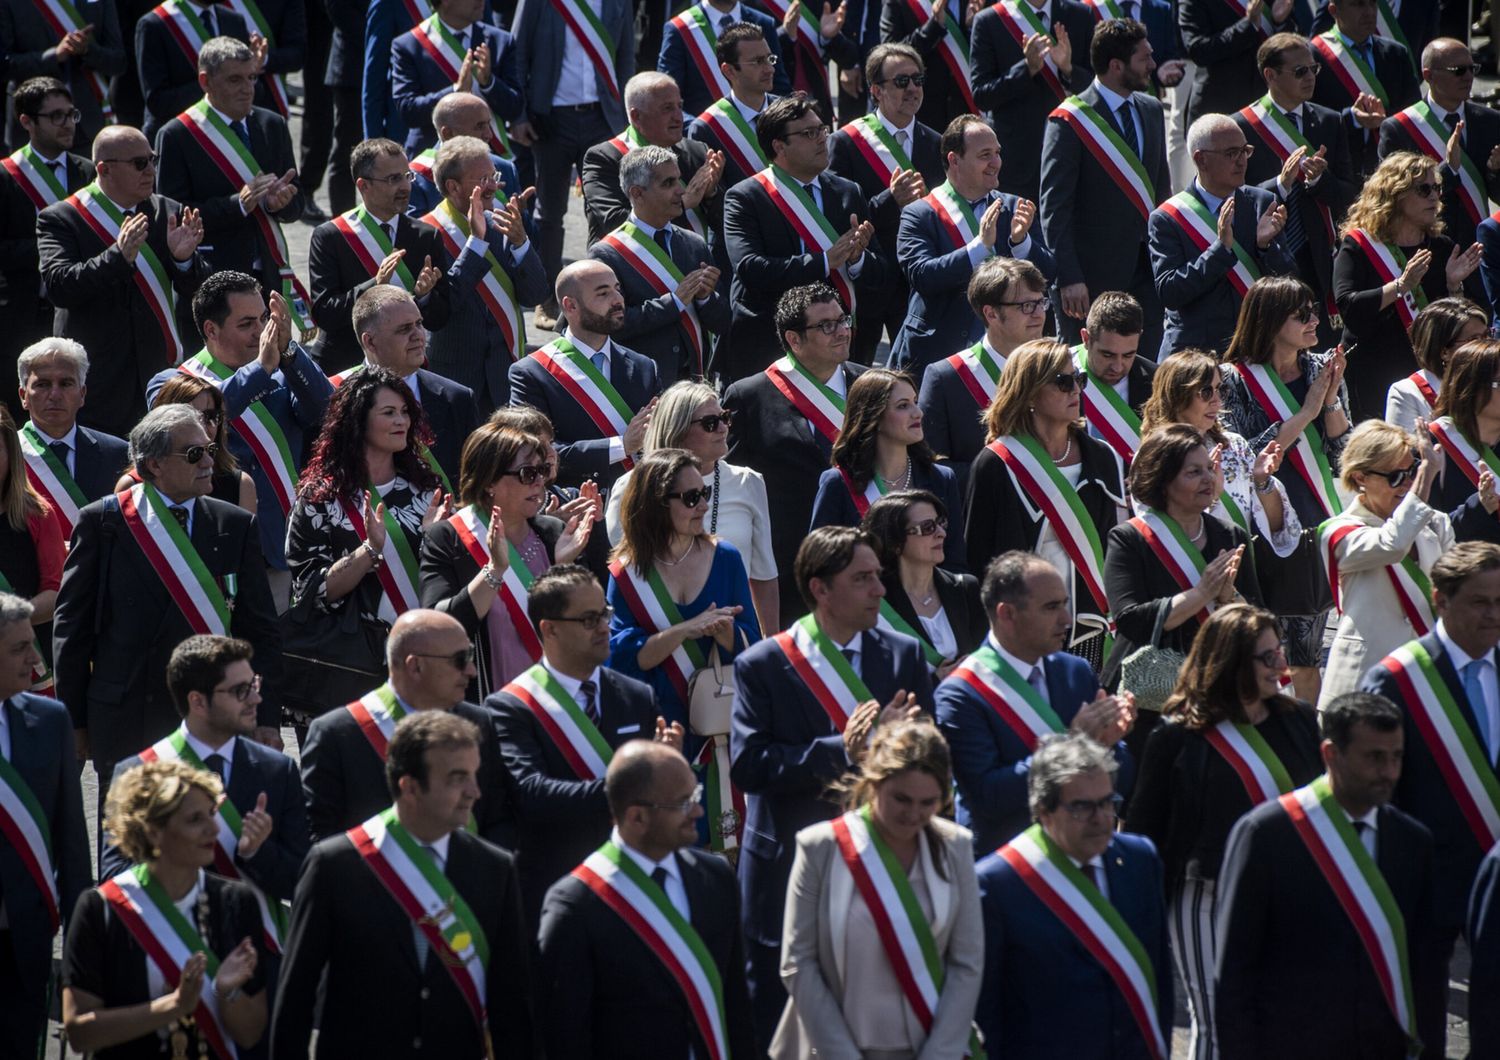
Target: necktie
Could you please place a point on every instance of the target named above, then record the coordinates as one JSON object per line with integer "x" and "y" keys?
{"x": 215, "y": 763}
{"x": 1367, "y": 53}
{"x": 1090, "y": 872}
{"x": 181, "y": 515}
{"x": 812, "y": 193}
{"x": 1451, "y": 120}
{"x": 598, "y": 361}
{"x": 1474, "y": 690}
{"x": 1038, "y": 681}
{"x": 208, "y": 22}
{"x": 901, "y": 138}
{"x": 849, "y": 654}
{"x": 242, "y": 130}
{"x": 659, "y": 877}
{"x": 1127, "y": 127}
{"x": 590, "y": 693}
{"x": 1366, "y": 838}
{"x": 390, "y": 231}
{"x": 725, "y": 21}
{"x": 61, "y": 451}
{"x": 660, "y": 237}
{"x": 423, "y": 946}
{"x": 1294, "y": 235}
{"x": 475, "y": 38}
{"x": 60, "y": 170}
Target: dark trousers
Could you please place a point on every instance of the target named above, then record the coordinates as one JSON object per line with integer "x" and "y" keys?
{"x": 104, "y": 772}
{"x": 348, "y": 130}
{"x": 879, "y": 315}
{"x": 767, "y": 994}
{"x": 26, "y": 319}
{"x": 563, "y": 135}
{"x": 23, "y": 1015}
{"x": 1143, "y": 289}
{"x": 317, "y": 100}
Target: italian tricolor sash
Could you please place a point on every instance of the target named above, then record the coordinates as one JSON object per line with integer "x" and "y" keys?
{"x": 736, "y": 135}
{"x": 891, "y": 621}
{"x": 1450, "y": 738}
{"x": 1068, "y": 895}
{"x": 41, "y": 674}
{"x": 807, "y": 221}
{"x": 473, "y": 527}
{"x": 169, "y": 939}
{"x": 1388, "y": 261}
{"x": 448, "y": 52}
{"x": 63, "y": 18}
{"x": 862, "y": 498}
{"x": 595, "y": 39}
{"x": 183, "y": 26}
{"x": 953, "y": 213}
{"x": 559, "y": 714}
{"x": 104, "y": 219}
{"x": 398, "y": 572}
{"x": 821, "y": 405}
{"x": 1020, "y": 21}
{"x": 954, "y": 47}
{"x": 422, "y": 164}
{"x": 1104, "y": 10}
{"x": 1349, "y": 67}
{"x": 1111, "y": 152}
{"x": 585, "y": 384}
{"x": 250, "y": 11}
{"x": 1277, "y": 402}
{"x": 1009, "y": 695}
{"x": 34, "y": 177}
{"x": 49, "y": 475}
{"x": 1427, "y": 385}
{"x": 1431, "y": 137}
{"x": 1283, "y": 138}
{"x": 877, "y": 146}
{"x": 905, "y": 935}
{"x": 1107, "y": 412}
{"x": 495, "y": 289}
{"x": 655, "y": 611}
{"x": 1175, "y": 550}
{"x": 417, "y": 10}
{"x": 1470, "y": 460}
{"x": 977, "y": 370}
{"x": 1361, "y": 890}
{"x": 174, "y": 558}
{"x": 820, "y": 665}
{"x": 1251, "y": 758}
{"x": 698, "y": 36}
{"x": 620, "y": 884}
{"x": 656, "y": 267}
{"x": 1263, "y": 25}
{"x": 25, "y": 828}
{"x": 257, "y": 428}
{"x": 1413, "y": 589}
{"x": 376, "y": 713}
{"x": 425, "y": 894}
{"x": 1202, "y": 230}
{"x": 273, "y": 915}
{"x": 1388, "y": 25}
{"x": 370, "y": 244}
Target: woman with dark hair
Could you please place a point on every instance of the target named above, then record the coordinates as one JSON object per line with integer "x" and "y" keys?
{"x": 32, "y": 548}
{"x": 1439, "y": 328}
{"x": 1229, "y": 740}
{"x": 880, "y": 448}
{"x": 230, "y": 483}
{"x": 1467, "y": 429}
{"x": 1043, "y": 485}
{"x": 939, "y": 608}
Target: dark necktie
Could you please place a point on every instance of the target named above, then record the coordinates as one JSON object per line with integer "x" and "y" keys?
{"x": 390, "y": 231}
{"x": 60, "y": 171}
{"x": 590, "y": 693}
{"x": 812, "y": 193}
{"x": 181, "y": 515}
{"x": 423, "y": 946}
{"x": 208, "y": 22}
{"x": 242, "y": 130}
{"x": 1360, "y": 828}
{"x": 660, "y": 236}
{"x": 215, "y": 762}
{"x": 1294, "y": 235}
{"x": 659, "y": 877}
{"x": 475, "y": 38}
{"x": 1367, "y": 53}
{"x": 1451, "y": 120}
{"x": 61, "y": 451}
{"x": 1129, "y": 8}
{"x": 1090, "y": 873}
{"x": 1127, "y": 127}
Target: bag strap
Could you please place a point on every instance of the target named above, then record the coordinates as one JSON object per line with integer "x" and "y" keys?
{"x": 1164, "y": 608}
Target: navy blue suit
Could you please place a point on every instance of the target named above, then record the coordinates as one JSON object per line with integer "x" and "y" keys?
{"x": 417, "y": 82}
{"x": 1044, "y": 994}
{"x": 168, "y": 75}
{"x": 1484, "y": 966}
{"x": 951, "y": 418}
{"x": 676, "y": 60}
{"x": 1418, "y": 20}
{"x": 834, "y": 506}
{"x": 452, "y": 414}
{"x": 699, "y": 130}
{"x": 1488, "y": 237}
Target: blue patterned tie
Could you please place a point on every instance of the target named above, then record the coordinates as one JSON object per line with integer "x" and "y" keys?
{"x": 1127, "y": 127}
{"x": 1474, "y": 690}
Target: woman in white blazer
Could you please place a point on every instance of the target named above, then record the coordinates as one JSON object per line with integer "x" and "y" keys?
{"x": 845, "y": 1000}
{"x": 1381, "y": 548}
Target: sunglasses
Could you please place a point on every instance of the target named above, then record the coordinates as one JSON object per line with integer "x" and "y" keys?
{"x": 194, "y": 453}
{"x": 141, "y": 164}
{"x": 905, "y": 80}
{"x": 1303, "y": 71}
{"x": 1462, "y": 70}
{"x": 1426, "y": 189}
{"x": 927, "y": 527}
{"x": 1067, "y": 382}
{"x": 460, "y": 659}
{"x": 529, "y": 473}
{"x": 761, "y": 60}
{"x": 1400, "y": 475}
{"x": 589, "y": 619}
{"x": 1306, "y": 315}
{"x": 714, "y": 421}
{"x": 1209, "y": 391}
{"x": 692, "y": 498}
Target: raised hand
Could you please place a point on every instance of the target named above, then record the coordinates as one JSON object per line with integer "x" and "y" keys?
{"x": 1267, "y": 462}
{"x": 671, "y": 735}
{"x": 902, "y": 707}
{"x": 1455, "y": 151}
{"x": 1369, "y": 112}
{"x": 1416, "y": 268}
{"x": 426, "y": 279}
{"x": 1034, "y": 51}
{"x": 857, "y": 729}
{"x": 482, "y": 60}
{"x": 907, "y": 186}
{"x": 261, "y": 49}
{"x": 255, "y": 828}
{"x": 133, "y": 233}
{"x": 511, "y": 222}
{"x": 1487, "y": 496}
{"x": 1062, "y": 50}
{"x": 989, "y": 223}
{"x": 832, "y": 22}
{"x": 1269, "y": 226}
{"x": 478, "y": 224}
{"x": 1460, "y": 264}
{"x": 1020, "y": 220}
{"x": 184, "y": 236}
{"x": 494, "y": 540}
{"x": 388, "y": 265}
{"x": 275, "y": 334}
{"x": 236, "y": 969}
{"x": 1226, "y": 223}
{"x": 440, "y": 507}
{"x": 575, "y": 536}
{"x": 1291, "y": 169}
{"x": 282, "y": 190}
{"x": 635, "y": 430}
{"x": 374, "y": 525}
{"x": 189, "y": 986}
{"x": 1315, "y": 165}
{"x": 465, "y": 82}
{"x": 1107, "y": 719}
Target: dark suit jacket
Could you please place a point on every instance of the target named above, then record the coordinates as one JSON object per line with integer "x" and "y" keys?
{"x": 678, "y": 62}
{"x": 700, "y": 131}
{"x": 783, "y": 752}
{"x": 849, "y": 162}
{"x": 99, "y": 305}
{"x": 1487, "y": 235}
{"x": 30, "y": 46}
{"x": 1481, "y": 136}
{"x": 19, "y": 259}
{"x": 582, "y": 448}
{"x": 951, "y": 419}
{"x": 417, "y": 83}
{"x": 1044, "y": 994}
{"x": 1397, "y": 75}
{"x": 562, "y": 819}
{"x": 451, "y": 413}
{"x": 607, "y": 993}
{"x": 606, "y": 205}
{"x": 834, "y": 506}
{"x": 231, "y": 238}
{"x": 1280, "y": 928}
{"x": 1223, "y": 45}
{"x": 373, "y": 26}
{"x": 959, "y": 595}
{"x": 1484, "y": 967}
{"x": 942, "y": 97}
{"x": 540, "y": 36}
{"x": 169, "y": 76}
{"x": 338, "y": 278}
{"x": 807, "y": 72}
{"x": 346, "y": 926}
{"x": 117, "y": 625}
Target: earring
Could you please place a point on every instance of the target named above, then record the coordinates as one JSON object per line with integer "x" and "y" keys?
{"x": 155, "y": 853}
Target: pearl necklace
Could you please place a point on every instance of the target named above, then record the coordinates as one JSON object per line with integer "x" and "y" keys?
{"x": 1067, "y": 450}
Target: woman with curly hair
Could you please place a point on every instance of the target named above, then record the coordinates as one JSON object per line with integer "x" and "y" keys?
{"x": 1392, "y": 260}
{"x": 230, "y": 483}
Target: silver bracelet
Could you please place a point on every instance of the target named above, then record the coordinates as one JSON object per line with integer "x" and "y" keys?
{"x": 487, "y": 572}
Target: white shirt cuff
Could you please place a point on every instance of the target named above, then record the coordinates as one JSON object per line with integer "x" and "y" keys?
{"x": 616, "y": 449}
{"x": 1021, "y": 249}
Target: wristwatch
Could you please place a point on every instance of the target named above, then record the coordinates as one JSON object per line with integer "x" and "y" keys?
{"x": 370, "y": 551}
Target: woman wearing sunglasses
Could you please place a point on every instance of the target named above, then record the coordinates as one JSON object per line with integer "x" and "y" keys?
{"x": 1190, "y": 790}
{"x": 478, "y": 564}
{"x": 230, "y": 483}
{"x": 880, "y": 448}
{"x": 1380, "y": 549}
{"x": 1043, "y": 485}
{"x": 1440, "y": 328}
{"x": 1467, "y": 430}
{"x": 1392, "y": 260}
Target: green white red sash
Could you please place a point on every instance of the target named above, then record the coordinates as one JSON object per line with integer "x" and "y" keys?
{"x": 1020, "y": 21}
{"x": 376, "y": 713}
{"x": 820, "y": 665}
{"x": 1202, "y": 231}
{"x": 49, "y": 475}
{"x": 1431, "y": 137}
{"x": 1009, "y": 695}
{"x": 273, "y": 915}
{"x": 250, "y": 11}
{"x": 175, "y": 559}
{"x": 591, "y": 33}
{"x": 1251, "y": 758}
{"x": 412, "y": 877}
{"x": 577, "y": 738}
{"x": 977, "y": 370}
{"x": 1388, "y": 25}
{"x": 27, "y": 831}
{"x": 1111, "y": 152}
{"x": 823, "y": 407}
{"x": 954, "y": 47}
{"x": 370, "y": 244}
{"x": 656, "y": 267}
{"x": 1107, "y": 412}
{"x": 655, "y": 611}
{"x": 891, "y": 621}
{"x": 877, "y": 146}
{"x": 1283, "y": 138}
{"x": 1388, "y": 261}
{"x": 628, "y": 139}
{"x": 495, "y": 289}
{"x": 1263, "y": 25}
{"x": 422, "y": 164}
{"x": 1470, "y": 460}
{"x": 1412, "y": 587}
{"x": 473, "y": 527}
{"x": 169, "y": 939}
{"x": 698, "y": 36}
{"x": 1069, "y": 895}
{"x": 398, "y": 572}
{"x": 1306, "y": 455}
{"x": 815, "y": 230}
{"x": 1105, "y": 10}
{"x": 1427, "y": 384}
{"x": 1460, "y": 754}
{"x": 104, "y": 219}
{"x": 588, "y": 386}
{"x": 619, "y": 883}
{"x": 809, "y": 31}
{"x": 736, "y": 135}
{"x": 1349, "y": 67}
{"x": 448, "y": 52}
{"x": 1183, "y": 560}
{"x": 63, "y": 18}
{"x": 862, "y": 498}
{"x": 41, "y": 673}
{"x": 257, "y": 428}
{"x": 1324, "y": 827}
{"x": 34, "y": 177}
{"x": 184, "y": 26}
{"x": 954, "y": 213}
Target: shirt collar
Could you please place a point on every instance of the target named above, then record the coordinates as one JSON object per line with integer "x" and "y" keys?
{"x": 1021, "y": 666}
{"x": 644, "y": 227}
{"x": 1433, "y": 104}
{"x": 1349, "y": 42}
{"x": 716, "y": 16}
{"x": 1213, "y": 202}
{"x": 62, "y": 156}
{"x": 745, "y": 109}
{"x": 203, "y": 750}
{"x": 570, "y": 684}
{"x": 415, "y": 387}
{"x": 188, "y": 903}
{"x": 587, "y": 350}
{"x": 910, "y": 128}
{"x": 1371, "y": 819}
{"x": 71, "y": 437}
{"x": 1111, "y": 98}
{"x": 226, "y": 119}
{"x": 1457, "y": 655}
{"x": 461, "y": 34}
{"x": 669, "y": 863}
{"x": 990, "y": 347}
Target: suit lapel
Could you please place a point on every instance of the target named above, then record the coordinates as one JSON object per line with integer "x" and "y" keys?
{"x": 875, "y": 665}
{"x": 244, "y": 782}
{"x": 612, "y": 718}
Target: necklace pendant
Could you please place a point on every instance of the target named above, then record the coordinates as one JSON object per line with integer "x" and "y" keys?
{"x": 179, "y": 1043}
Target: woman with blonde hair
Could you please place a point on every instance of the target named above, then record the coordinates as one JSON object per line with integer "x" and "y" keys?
{"x": 891, "y": 857}
{"x": 230, "y": 483}
{"x": 32, "y": 548}
{"x": 1467, "y": 430}
{"x": 1440, "y": 328}
{"x": 1393, "y": 258}
{"x": 1043, "y": 485}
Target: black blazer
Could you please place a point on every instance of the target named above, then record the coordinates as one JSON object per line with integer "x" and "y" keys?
{"x": 1223, "y": 44}
{"x": 1481, "y": 136}
{"x": 1395, "y": 70}
{"x": 117, "y": 625}
{"x": 169, "y": 77}
{"x": 19, "y": 260}
{"x": 561, "y": 819}
{"x": 30, "y": 45}
{"x": 607, "y": 207}
{"x": 231, "y": 238}
{"x": 605, "y": 993}
{"x": 451, "y": 413}
{"x": 959, "y": 595}
{"x": 338, "y": 278}
{"x": 846, "y": 160}
{"x": 346, "y": 927}
{"x": 99, "y": 462}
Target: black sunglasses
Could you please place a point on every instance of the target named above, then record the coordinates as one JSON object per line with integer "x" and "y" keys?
{"x": 904, "y": 80}
{"x": 529, "y": 473}
{"x": 194, "y": 453}
{"x": 1401, "y": 474}
{"x": 1303, "y": 71}
{"x": 692, "y": 498}
{"x": 459, "y": 659}
{"x": 1427, "y": 189}
{"x": 927, "y": 527}
{"x": 713, "y": 422}
{"x": 1306, "y": 315}
{"x": 1067, "y": 382}
{"x": 141, "y": 163}
{"x": 1462, "y": 70}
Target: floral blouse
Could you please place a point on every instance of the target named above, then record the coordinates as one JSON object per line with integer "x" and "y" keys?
{"x": 1238, "y": 465}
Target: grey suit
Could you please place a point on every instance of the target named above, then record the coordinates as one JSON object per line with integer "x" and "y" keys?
{"x": 29, "y": 44}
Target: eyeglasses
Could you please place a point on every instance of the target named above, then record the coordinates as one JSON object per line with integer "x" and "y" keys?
{"x": 194, "y": 453}
{"x": 712, "y": 422}
{"x": 692, "y": 498}
{"x": 686, "y": 806}
{"x": 927, "y": 527}
{"x": 1031, "y": 306}
{"x": 1067, "y": 382}
{"x": 815, "y": 134}
{"x": 589, "y": 619}
{"x": 1233, "y": 154}
{"x": 829, "y": 327}
{"x": 1462, "y": 70}
{"x": 1306, "y": 315}
{"x": 460, "y": 660}
{"x": 1271, "y": 659}
{"x": 1303, "y": 71}
{"x": 529, "y": 473}
{"x": 62, "y": 117}
{"x": 141, "y": 162}
{"x": 1086, "y": 809}
{"x": 761, "y": 60}
{"x": 1209, "y": 391}
{"x": 904, "y": 80}
{"x": 1427, "y": 189}
{"x": 394, "y": 180}
{"x": 242, "y": 691}
{"x": 1400, "y": 475}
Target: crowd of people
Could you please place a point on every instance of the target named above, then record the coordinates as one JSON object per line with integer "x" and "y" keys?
{"x": 1008, "y": 524}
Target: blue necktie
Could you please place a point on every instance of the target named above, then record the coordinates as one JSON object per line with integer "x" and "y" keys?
{"x": 242, "y": 130}
{"x": 1294, "y": 236}
{"x": 598, "y": 360}
{"x": 1127, "y": 127}
{"x": 1474, "y": 690}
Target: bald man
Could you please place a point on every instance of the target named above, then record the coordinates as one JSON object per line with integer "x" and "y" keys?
{"x": 603, "y": 379}
{"x": 456, "y": 114}
{"x": 429, "y": 664}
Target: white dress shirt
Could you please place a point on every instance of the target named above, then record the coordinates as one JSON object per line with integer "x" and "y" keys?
{"x": 747, "y": 112}
{"x": 676, "y": 893}
{"x": 577, "y": 80}
{"x": 1101, "y": 879}
{"x": 71, "y": 439}
{"x": 203, "y": 750}
{"x": 1022, "y": 667}
{"x": 1370, "y": 833}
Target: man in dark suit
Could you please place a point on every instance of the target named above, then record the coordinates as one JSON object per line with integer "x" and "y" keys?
{"x": 947, "y": 93}
{"x": 947, "y": 234}
{"x": 1285, "y": 908}
{"x": 600, "y": 413}
{"x": 791, "y": 738}
{"x": 167, "y": 42}
{"x": 1094, "y": 215}
{"x": 1221, "y": 39}
{"x": 689, "y": 51}
{"x": 561, "y": 810}
{"x": 674, "y": 305}
{"x": 767, "y": 234}
{"x": 118, "y": 613}
{"x": 83, "y": 57}
{"x": 1484, "y": 961}
{"x": 354, "y": 923}
{"x": 748, "y": 64}
{"x": 606, "y": 989}
{"x": 1364, "y": 76}
{"x": 376, "y": 243}
{"x": 1026, "y": 57}
{"x": 894, "y": 159}
{"x": 1016, "y": 687}
{"x": 453, "y": 51}
{"x": 1047, "y": 989}
{"x": 101, "y": 269}
{"x": 1417, "y": 22}
{"x": 1119, "y": 374}
{"x": 345, "y": 755}
{"x": 38, "y": 887}
{"x": 1202, "y": 238}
